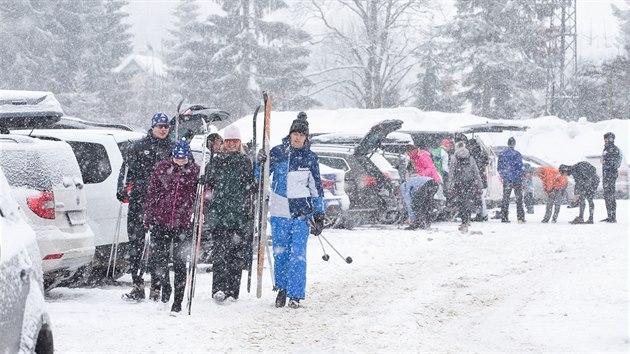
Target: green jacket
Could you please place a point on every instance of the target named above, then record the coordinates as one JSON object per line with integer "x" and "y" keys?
{"x": 230, "y": 177}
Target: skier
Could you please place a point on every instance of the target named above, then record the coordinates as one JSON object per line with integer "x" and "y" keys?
{"x": 464, "y": 181}
{"x": 139, "y": 163}
{"x": 482, "y": 161}
{"x": 586, "y": 182}
{"x": 611, "y": 161}
{"x": 418, "y": 192}
{"x": 510, "y": 168}
{"x": 230, "y": 178}
{"x": 422, "y": 161}
{"x": 555, "y": 185}
{"x": 296, "y": 194}
{"x": 168, "y": 214}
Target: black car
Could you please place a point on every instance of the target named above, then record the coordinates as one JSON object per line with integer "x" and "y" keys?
{"x": 374, "y": 194}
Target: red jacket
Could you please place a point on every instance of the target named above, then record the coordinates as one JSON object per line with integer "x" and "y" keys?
{"x": 423, "y": 162}
{"x": 551, "y": 178}
{"x": 171, "y": 195}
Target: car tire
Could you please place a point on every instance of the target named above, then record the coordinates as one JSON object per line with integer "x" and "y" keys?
{"x": 45, "y": 343}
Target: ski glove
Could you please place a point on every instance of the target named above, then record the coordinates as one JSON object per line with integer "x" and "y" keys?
{"x": 122, "y": 196}
{"x": 318, "y": 224}
{"x": 261, "y": 157}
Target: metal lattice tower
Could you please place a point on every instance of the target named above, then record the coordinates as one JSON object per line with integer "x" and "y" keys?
{"x": 561, "y": 37}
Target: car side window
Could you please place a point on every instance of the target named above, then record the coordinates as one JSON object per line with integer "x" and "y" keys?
{"x": 334, "y": 162}
{"x": 93, "y": 161}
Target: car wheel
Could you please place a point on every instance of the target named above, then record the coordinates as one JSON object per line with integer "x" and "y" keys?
{"x": 45, "y": 343}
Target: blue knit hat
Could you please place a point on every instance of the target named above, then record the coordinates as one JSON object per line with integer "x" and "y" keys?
{"x": 159, "y": 118}
{"x": 181, "y": 150}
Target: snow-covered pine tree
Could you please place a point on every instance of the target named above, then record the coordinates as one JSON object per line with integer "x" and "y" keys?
{"x": 499, "y": 48}
{"x": 246, "y": 54}
{"x": 434, "y": 89}
{"x": 26, "y": 49}
{"x": 623, "y": 17}
{"x": 186, "y": 58}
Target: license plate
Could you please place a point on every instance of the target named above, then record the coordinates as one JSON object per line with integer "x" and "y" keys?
{"x": 76, "y": 217}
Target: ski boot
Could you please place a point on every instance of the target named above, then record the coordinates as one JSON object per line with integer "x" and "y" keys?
{"x": 577, "y": 220}
{"x": 219, "y": 297}
{"x": 463, "y": 227}
{"x": 294, "y": 303}
{"x": 281, "y": 299}
{"x": 176, "y": 308}
{"x": 154, "y": 294}
{"x": 136, "y": 294}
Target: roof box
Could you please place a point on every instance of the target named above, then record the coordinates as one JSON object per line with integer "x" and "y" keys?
{"x": 28, "y": 109}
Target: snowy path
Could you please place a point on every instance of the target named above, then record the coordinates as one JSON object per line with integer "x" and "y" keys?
{"x": 531, "y": 287}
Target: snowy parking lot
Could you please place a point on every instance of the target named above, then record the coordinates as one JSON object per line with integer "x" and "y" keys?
{"x": 500, "y": 288}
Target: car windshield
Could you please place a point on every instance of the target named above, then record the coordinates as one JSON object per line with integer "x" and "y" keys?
{"x": 41, "y": 166}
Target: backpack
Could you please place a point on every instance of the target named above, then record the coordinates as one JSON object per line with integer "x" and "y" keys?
{"x": 463, "y": 169}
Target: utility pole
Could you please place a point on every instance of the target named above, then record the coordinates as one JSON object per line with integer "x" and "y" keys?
{"x": 561, "y": 37}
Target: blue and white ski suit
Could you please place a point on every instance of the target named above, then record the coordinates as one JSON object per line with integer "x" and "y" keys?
{"x": 296, "y": 194}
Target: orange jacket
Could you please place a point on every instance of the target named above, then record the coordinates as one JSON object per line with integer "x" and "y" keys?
{"x": 551, "y": 178}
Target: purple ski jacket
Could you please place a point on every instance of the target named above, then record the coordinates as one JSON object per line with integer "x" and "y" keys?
{"x": 171, "y": 195}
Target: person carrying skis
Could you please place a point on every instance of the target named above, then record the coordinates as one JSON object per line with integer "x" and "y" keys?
{"x": 555, "y": 185}
{"x": 611, "y": 161}
{"x": 510, "y": 168}
{"x": 167, "y": 215}
{"x": 230, "y": 178}
{"x": 296, "y": 197}
{"x": 464, "y": 181}
{"x": 135, "y": 173}
{"x": 586, "y": 182}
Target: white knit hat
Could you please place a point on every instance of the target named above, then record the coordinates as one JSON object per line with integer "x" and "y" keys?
{"x": 231, "y": 132}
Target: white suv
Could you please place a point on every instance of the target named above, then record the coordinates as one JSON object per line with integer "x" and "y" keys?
{"x": 46, "y": 181}
{"x": 99, "y": 154}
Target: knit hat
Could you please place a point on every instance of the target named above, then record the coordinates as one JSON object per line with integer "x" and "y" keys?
{"x": 446, "y": 143}
{"x": 564, "y": 169}
{"x": 231, "y": 132}
{"x": 511, "y": 141}
{"x": 300, "y": 125}
{"x": 159, "y": 118}
{"x": 181, "y": 150}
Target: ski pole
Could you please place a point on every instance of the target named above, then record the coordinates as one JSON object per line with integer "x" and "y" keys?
{"x": 113, "y": 252}
{"x": 273, "y": 277}
{"x": 311, "y": 223}
{"x": 325, "y": 257}
{"x": 347, "y": 259}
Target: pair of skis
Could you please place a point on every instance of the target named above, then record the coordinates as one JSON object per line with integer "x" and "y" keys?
{"x": 263, "y": 200}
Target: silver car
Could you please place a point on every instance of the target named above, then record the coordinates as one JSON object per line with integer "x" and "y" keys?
{"x": 24, "y": 322}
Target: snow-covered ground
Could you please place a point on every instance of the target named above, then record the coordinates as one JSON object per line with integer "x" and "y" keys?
{"x": 501, "y": 288}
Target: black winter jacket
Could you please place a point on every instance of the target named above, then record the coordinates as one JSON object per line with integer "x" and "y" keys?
{"x": 610, "y": 157}
{"x": 141, "y": 159}
{"x": 585, "y": 176}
